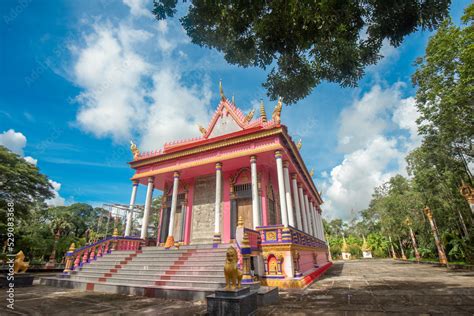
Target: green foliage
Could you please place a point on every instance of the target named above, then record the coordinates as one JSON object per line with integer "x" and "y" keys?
{"x": 22, "y": 183}
{"x": 306, "y": 42}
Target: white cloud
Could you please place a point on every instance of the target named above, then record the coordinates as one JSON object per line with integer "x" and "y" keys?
{"x": 368, "y": 117}
{"x": 110, "y": 73}
{"x": 15, "y": 141}
{"x": 57, "y": 200}
{"x": 372, "y": 155}
{"x": 138, "y": 7}
{"x": 31, "y": 160}
{"x": 125, "y": 94}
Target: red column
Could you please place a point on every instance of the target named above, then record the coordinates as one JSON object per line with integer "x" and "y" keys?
{"x": 189, "y": 213}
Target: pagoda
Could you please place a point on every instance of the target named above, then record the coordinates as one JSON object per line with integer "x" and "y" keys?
{"x": 242, "y": 182}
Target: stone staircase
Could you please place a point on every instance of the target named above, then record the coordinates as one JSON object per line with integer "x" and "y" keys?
{"x": 190, "y": 272}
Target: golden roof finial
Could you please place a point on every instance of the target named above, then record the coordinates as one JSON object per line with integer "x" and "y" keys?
{"x": 233, "y": 100}
{"x": 311, "y": 173}
{"x": 221, "y": 90}
{"x": 299, "y": 144}
{"x": 249, "y": 116}
{"x": 276, "y": 116}
{"x": 263, "y": 114}
{"x": 202, "y": 130}
{"x": 134, "y": 150}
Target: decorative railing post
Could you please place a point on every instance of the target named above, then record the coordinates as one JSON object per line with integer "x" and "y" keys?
{"x": 92, "y": 254}
{"x": 77, "y": 262}
{"x": 85, "y": 256}
{"x": 99, "y": 252}
{"x": 69, "y": 259}
{"x": 246, "y": 251}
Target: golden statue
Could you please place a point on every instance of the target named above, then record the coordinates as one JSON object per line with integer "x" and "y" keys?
{"x": 202, "y": 130}
{"x": 232, "y": 274}
{"x": 263, "y": 114}
{"x": 249, "y": 116}
{"x": 221, "y": 90}
{"x": 299, "y": 144}
{"x": 20, "y": 266}
{"x": 134, "y": 150}
{"x": 311, "y": 173}
{"x": 276, "y": 116}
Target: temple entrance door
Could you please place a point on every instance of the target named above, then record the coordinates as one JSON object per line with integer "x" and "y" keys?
{"x": 244, "y": 209}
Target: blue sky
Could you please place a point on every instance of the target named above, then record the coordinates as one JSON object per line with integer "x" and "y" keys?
{"x": 79, "y": 79}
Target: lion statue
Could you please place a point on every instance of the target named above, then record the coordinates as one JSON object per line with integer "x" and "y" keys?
{"x": 20, "y": 266}
{"x": 232, "y": 274}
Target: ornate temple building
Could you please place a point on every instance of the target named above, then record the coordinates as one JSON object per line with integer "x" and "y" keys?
{"x": 243, "y": 182}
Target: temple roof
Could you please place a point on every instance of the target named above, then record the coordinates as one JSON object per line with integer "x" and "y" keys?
{"x": 227, "y": 120}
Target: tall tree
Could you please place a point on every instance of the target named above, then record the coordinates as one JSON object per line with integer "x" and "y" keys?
{"x": 305, "y": 42}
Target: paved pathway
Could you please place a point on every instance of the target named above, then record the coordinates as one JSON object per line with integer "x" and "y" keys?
{"x": 382, "y": 286}
{"x": 350, "y": 288}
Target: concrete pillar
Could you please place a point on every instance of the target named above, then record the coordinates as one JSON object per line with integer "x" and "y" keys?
{"x": 174, "y": 202}
{"x": 146, "y": 212}
{"x": 128, "y": 225}
{"x": 289, "y": 202}
{"x": 281, "y": 188}
{"x": 303, "y": 210}
{"x": 297, "y": 202}
{"x": 217, "y": 206}
{"x": 255, "y": 197}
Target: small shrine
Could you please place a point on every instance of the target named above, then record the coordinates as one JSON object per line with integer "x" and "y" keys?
{"x": 366, "y": 250}
{"x": 346, "y": 255}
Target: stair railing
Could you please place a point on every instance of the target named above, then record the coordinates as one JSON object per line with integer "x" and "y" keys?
{"x": 76, "y": 258}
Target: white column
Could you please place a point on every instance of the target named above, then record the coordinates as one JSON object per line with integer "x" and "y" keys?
{"x": 217, "y": 205}
{"x": 323, "y": 237}
{"x": 289, "y": 202}
{"x": 174, "y": 203}
{"x": 297, "y": 202}
{"x": 128, "y": 226}
{"x": 281, "y": 188}
{"x": 315, "y": 221}
{"x": 303, "y": 210}
{"x": 146, "y": 212}
{"x": 308, "y": 215}
{"x": 255, "y": 197}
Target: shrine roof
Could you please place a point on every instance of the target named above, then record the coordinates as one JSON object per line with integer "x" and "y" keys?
{"x": 227, "y": 113}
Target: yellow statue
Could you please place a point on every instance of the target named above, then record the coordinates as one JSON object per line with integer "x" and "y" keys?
{"x": 134, "y": 150}
{"x": 232, "y": 274}
{"x": 311, "y": 173}
{"x": 276, "y": 116}
{"x": 20, "y": 266}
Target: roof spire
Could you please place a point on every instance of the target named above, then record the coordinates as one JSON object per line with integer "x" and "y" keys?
{"x": 263, "y": 115}
{"x": 221, "y": 90}
{"x": 276, "y": 116}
